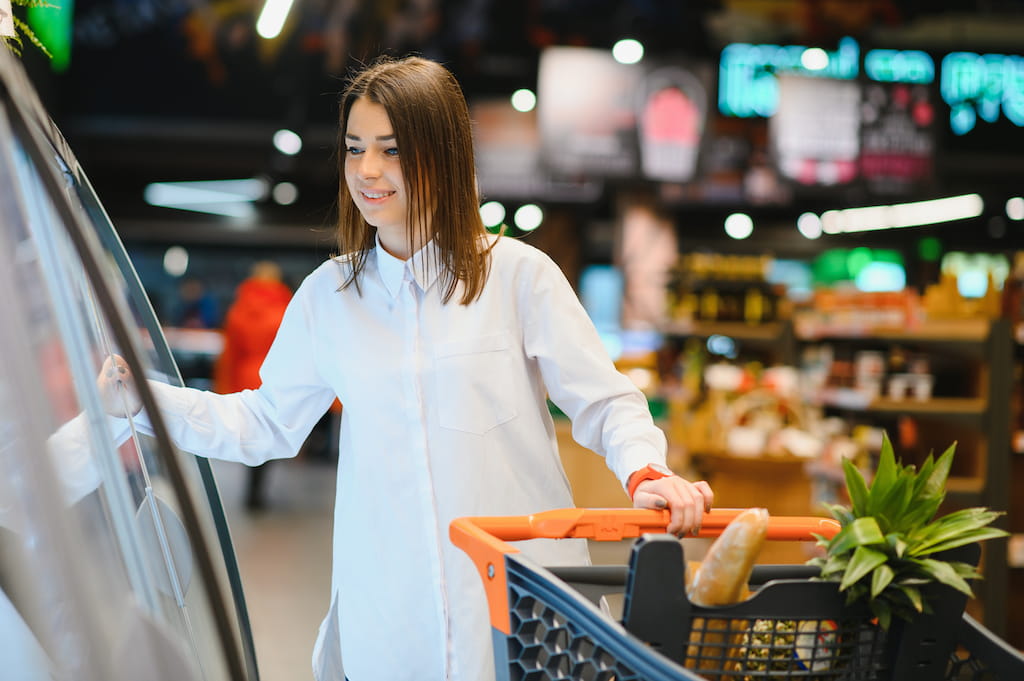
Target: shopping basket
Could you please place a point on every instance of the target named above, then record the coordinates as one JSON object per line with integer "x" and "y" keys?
{"x": 548, "y": 623}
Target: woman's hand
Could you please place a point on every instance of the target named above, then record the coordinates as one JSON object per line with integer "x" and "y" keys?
{"x": 687, "y": 501}
{"x": 117, "y": 388}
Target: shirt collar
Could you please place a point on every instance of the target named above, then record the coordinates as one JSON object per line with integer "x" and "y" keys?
{"x": 422, "y": 267}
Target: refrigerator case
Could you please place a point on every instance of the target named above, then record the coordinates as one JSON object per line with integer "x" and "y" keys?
{"x": 115, "y": 557}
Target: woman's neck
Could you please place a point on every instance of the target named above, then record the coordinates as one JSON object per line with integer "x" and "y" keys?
{"x": 396, "y": 242}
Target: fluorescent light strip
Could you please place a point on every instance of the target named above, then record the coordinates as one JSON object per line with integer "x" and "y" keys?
{"x": 272, "y": 18}
{"x": 233, "y": 209}
{"x": 901, "y": 215}
{"x": 233, "y": 198}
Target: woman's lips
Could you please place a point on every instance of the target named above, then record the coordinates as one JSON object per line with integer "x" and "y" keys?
{"x": 375, "y": 196}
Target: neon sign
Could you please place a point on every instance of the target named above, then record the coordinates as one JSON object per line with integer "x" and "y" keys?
{"x": 981, "y": 86}
{"x": 747, "y": 84}
{"x": 899, "y": 66}
{"x": 977, "y": 87}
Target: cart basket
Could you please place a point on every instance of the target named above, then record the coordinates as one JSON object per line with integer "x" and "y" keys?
{"x": 548, "y": 625}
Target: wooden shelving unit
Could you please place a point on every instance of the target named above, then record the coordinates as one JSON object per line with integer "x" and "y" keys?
{"x": 976, "y": 416}
{"x": 979, "y": 422}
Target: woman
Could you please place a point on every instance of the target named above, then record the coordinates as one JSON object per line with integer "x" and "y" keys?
{"x": 443, "y": 343}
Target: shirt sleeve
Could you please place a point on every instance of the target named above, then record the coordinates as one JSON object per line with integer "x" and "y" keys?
{"x": 609, "y": 414}
{"x": 252, "y": 426}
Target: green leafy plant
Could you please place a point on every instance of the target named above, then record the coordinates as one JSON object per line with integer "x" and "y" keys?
{"x": 885, "y": 553}
{"x": 15, "y": 43}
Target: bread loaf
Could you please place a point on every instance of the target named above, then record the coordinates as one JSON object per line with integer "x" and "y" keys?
{"x": 721, "y": 579}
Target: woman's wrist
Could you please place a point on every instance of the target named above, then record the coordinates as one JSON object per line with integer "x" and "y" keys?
{"x": 652, "y": 471}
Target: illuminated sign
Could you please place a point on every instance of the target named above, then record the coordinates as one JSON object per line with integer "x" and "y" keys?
{"x": 899, "y": 66}
{"x": 747, "y": 83}
{"x": 977, "y": 87}
{"x": 981, "y": 86}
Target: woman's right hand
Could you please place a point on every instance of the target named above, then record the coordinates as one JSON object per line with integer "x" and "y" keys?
{"x": 116, "y": 384}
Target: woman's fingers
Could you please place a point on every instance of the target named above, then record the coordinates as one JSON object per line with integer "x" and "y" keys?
{"x": 117, "y": 388}
{"x": 687, "y": 501}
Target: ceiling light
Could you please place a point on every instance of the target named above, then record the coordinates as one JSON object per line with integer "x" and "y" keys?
{"x": 529, "y": 217}
{"x": 739, "y": 226}
{"x": 1015, "y": 208}
{"x": 285, "y": 193}
{"x": 232, "y": 198}
{"x": 272, "y": 18}
{"x": 814, "y": 59}
{"x": 175, "y": 261}
{"x": 492, "y": 213}
{"x": 287, "y": 142}
{"x": 628, "y": 51}
{"x": 524, "y": 100}
{"x": 902, "y": 214}
{"x": 809, "y": 225}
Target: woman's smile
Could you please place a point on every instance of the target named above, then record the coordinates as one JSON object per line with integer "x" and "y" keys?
{"x": 376, "y": 196}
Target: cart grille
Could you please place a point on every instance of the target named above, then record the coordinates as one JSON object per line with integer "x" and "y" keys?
{"x": 815, "y": 650}
{"x": 545, "y": 646}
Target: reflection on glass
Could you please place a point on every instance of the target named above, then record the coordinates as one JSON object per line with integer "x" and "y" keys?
{"x": 97, "y": 572}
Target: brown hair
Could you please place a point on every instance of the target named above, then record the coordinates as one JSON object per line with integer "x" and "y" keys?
{"x": 430, "y": 119}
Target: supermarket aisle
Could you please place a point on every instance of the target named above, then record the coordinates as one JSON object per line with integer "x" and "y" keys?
{"x": 284, "y": 556}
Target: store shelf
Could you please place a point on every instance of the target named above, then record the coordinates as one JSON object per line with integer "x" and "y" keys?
{"x": 964, "y": 491}
{"x": 739, "y": 330}
{"x": 936, "y": 406}
{"x": 941, "y": 331}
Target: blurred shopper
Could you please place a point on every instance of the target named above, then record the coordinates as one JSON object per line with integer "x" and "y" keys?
{"x": 197, "y": 308}
{"x": 250, "y": 325}
{"x": 443, "y": 343}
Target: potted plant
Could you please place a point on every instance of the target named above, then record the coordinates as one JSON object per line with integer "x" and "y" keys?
{"x": 887, "y": 553}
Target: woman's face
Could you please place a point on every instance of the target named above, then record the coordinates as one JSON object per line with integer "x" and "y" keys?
{"x": 373, "y": 171}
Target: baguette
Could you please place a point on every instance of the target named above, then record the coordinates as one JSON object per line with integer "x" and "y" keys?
{"x": 721, "y": 579}
{"x": 723, "y": 575}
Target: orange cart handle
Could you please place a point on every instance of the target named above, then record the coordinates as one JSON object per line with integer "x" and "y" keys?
{"x": 484, "y": 538}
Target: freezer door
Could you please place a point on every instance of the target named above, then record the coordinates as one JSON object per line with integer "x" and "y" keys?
{"x": 115, "y": 559}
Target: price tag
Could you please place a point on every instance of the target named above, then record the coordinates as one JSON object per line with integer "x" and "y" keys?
{"x": 6, "y": 19}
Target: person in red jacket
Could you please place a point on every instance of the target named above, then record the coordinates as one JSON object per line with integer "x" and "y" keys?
{"x": 249, "y": 329}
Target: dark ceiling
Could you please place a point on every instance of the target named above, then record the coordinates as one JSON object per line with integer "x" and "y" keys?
{"x": 185, "y": 89}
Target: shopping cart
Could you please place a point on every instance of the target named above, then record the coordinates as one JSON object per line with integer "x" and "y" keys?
{"x": 549, "y": 624}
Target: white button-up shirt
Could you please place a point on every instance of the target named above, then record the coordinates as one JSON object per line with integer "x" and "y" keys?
{"x": 444, "y": 416}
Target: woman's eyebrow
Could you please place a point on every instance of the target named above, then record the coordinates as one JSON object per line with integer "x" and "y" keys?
{"x": 379, "y": 138}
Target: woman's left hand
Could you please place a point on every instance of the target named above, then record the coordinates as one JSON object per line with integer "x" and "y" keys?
{"x": 687, "y": 501}
{"x": 116, "y": 386}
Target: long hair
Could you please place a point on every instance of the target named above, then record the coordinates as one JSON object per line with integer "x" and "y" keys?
{"x": 430, "y": 119}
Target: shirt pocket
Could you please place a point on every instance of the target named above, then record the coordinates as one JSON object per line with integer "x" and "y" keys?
{"x": 475, "y": 387}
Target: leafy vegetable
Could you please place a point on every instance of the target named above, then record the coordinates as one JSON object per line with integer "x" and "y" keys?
{"x": 885, "y": 553}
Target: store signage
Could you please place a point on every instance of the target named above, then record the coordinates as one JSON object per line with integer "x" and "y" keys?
{"x": 899, "y": 66}
{"x": 815, "y": 132}
{"x": 981, "y": 86}
{"x": 977, "y": 87}
{"x": 600, "y": 118}
{"x": 897, "y": 139}
{"x": 747, "y": 83}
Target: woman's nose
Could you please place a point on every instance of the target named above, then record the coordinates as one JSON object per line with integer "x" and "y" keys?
{"x": 368, "y": 167}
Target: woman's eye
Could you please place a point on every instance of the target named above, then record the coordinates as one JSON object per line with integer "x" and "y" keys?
{"x": 391, "y": 151}
{"x": 353, "y": 151}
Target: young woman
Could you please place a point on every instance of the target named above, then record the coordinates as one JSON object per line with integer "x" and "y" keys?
{"x": 442, "y": 343}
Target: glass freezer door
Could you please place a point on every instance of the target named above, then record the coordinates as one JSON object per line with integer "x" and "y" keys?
{"x": 115, "y": 560}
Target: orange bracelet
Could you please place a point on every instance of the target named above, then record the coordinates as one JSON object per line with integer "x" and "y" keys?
{"x": 649, "y": 472}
